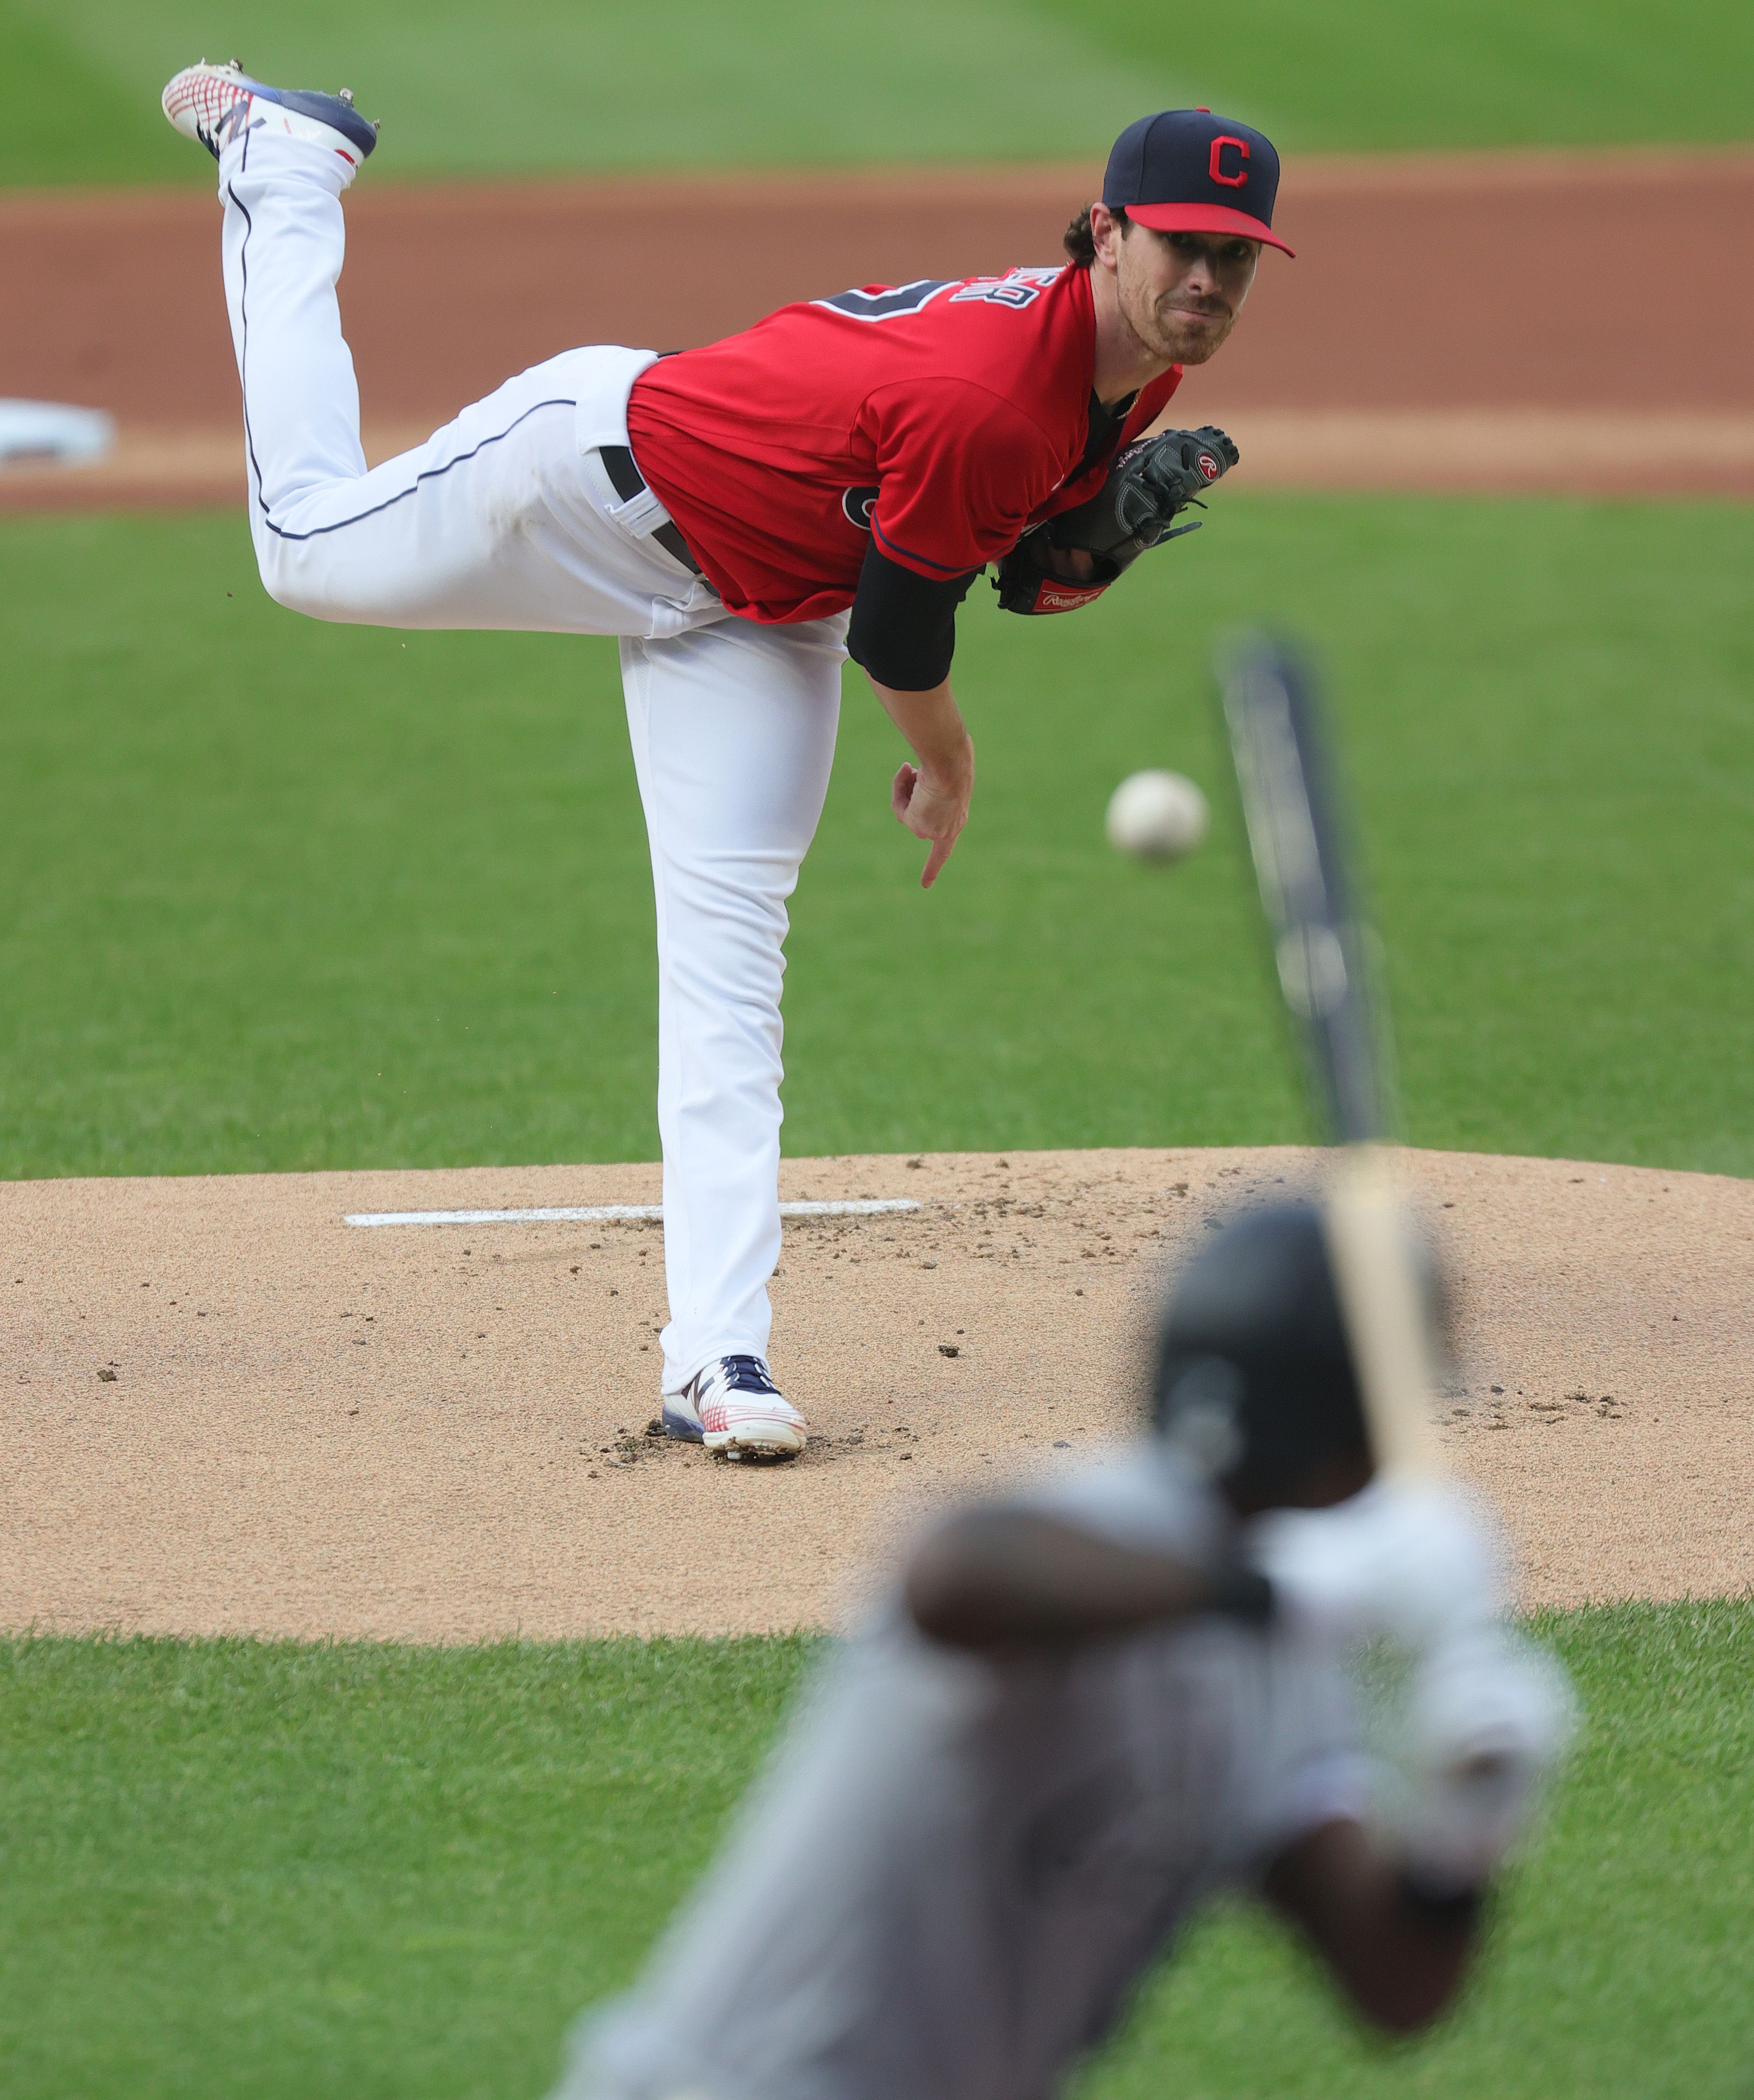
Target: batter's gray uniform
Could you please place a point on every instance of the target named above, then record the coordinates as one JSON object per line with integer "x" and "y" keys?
{"x": 954, "y": 1869}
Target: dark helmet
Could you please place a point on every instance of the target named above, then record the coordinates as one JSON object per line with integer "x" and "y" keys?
{"x": 1255, "y": 1380}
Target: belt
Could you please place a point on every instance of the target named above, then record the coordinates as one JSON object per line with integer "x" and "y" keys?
{"x": 627, "y": 482}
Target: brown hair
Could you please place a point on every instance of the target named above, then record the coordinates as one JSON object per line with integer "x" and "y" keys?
{"x": 1080, "y": 244}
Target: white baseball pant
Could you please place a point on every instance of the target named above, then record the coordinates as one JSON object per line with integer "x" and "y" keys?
{"x": 506, "y": 519}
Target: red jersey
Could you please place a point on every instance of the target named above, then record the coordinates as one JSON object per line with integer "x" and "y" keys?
{"x": 944, "y": 419}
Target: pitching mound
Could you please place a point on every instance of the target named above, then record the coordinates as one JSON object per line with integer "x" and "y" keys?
{"x": 225, "y": 1409}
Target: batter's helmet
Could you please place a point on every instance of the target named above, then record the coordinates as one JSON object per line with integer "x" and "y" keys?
{"x": 1255, "y": 1380}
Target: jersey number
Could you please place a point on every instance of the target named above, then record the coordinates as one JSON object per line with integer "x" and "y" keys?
{"x": 1015, "y": 288}
{"x": 872, "y": 304}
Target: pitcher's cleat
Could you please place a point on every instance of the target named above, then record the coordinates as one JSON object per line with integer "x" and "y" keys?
{"x": 733, "y": 1406}
{"x": 216, "y": 104}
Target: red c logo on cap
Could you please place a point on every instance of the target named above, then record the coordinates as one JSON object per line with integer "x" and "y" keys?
{"x": 1215, "y": 165}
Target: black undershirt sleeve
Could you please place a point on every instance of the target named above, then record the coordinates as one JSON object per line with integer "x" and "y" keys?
{"x": 903, "y": 630}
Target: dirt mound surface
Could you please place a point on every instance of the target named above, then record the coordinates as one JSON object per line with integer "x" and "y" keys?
{"x": 226, "y": 1409}
{"x": 1423, "y": 286}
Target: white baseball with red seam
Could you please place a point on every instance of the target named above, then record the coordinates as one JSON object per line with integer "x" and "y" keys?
{"x": 1155, "y": 816}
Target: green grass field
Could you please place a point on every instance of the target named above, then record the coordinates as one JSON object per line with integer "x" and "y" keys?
{"x": 541, "y": 85}
{"x": 280, "y": 895}
{"x": 249, "y": 1870}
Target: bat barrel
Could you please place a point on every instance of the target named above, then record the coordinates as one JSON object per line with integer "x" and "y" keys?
{"x": 1297, "y": 837}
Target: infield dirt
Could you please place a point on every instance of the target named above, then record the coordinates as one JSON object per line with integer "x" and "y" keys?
{"x": 227, "y": 1410}
{"x": 1455, "y": 321}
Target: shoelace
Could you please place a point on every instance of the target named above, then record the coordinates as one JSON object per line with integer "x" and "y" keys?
{"x": 747, "y": 1374}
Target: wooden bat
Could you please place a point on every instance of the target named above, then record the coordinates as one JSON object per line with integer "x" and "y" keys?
{"x": 1323, "y": 948}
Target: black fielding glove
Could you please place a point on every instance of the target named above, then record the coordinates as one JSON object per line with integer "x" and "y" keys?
{"x": 1145, "y": 490}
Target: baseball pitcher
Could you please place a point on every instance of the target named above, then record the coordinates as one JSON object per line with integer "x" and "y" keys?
{"x": 1081, "y": 1713}
{"x": 743, "y": 516}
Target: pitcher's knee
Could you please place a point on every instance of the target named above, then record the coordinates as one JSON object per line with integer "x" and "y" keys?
{"x": 297, "y": 583}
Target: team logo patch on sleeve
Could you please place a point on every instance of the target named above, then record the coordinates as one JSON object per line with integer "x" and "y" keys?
{"x": 858, "y": 504}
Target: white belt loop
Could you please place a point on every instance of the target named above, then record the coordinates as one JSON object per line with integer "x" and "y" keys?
{"x": 641, "y": 515}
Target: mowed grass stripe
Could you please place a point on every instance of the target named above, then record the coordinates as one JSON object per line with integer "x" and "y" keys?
{"x": 547, "y": 87}
{"x": 234, "y": 1867}
{"x": 243, "y": 1868}
{"x": 282, "y": 895}
{"x": 1345, "y": 75}
{"x": 550, "y": 85}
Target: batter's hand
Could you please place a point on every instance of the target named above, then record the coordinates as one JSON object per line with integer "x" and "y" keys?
{"x": 1489, "y": 1716}
{"x": 934, "y": 809}
{"x": 1412, "y": 1562}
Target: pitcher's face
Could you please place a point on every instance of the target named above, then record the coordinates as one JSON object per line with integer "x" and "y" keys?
{"x": 1179, "y": 292}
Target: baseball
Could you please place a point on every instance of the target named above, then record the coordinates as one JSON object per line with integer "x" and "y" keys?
{"x": 1155, "y": 816}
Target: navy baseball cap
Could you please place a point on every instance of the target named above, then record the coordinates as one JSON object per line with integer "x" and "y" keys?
{"x": 1188, "y": 171}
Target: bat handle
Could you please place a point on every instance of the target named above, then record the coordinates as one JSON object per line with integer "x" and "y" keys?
{"x": 1371, "y": 1245}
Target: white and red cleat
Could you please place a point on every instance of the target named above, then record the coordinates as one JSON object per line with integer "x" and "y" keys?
{"x": 733, "y": 1406}
{"x": 216, "y": 104}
